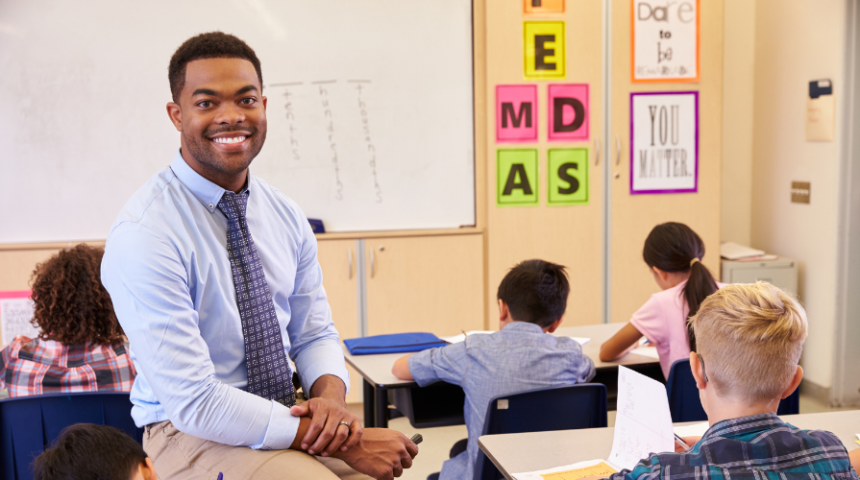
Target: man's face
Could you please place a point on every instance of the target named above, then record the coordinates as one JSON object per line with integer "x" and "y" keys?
{"x": 221, "y": 114}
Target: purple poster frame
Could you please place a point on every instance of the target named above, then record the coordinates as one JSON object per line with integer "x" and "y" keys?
{"x": 695, "y": 188}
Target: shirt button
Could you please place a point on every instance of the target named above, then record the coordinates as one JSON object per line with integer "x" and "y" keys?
{"x": 211, "y": 206}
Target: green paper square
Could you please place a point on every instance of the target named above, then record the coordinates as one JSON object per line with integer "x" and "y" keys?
{"x": 568, "y": 176}
{"x": 516, "y": 177}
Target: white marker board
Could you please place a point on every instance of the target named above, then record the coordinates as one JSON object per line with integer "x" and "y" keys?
{"x": 378, "y": 134}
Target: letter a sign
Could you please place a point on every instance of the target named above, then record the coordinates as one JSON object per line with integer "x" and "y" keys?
{"x": 544, "y": 50}
{"x": 516, "y": 113}
{"x": 516, "y": 177}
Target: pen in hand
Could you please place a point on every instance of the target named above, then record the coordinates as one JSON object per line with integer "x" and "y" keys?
{"x": 417, "y": 438}
{"x": 681, "y": 442}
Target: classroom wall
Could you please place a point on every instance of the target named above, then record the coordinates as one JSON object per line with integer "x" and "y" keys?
{"x": 796, "y": 42}
{"x": 738, "y": 84}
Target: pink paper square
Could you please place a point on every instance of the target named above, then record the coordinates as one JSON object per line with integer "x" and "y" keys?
{"x": 516, "y": 113}
{"x": 568, "y": 112}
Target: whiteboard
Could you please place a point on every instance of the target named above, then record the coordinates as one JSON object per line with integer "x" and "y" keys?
{"x": 83, "y": 124}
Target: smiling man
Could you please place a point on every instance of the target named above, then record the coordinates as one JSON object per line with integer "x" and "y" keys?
{"x": 214, "y": 277}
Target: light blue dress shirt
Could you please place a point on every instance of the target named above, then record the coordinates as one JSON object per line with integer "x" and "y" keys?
{"x": 519, "y": 358}
{"x": 168, "y": 274}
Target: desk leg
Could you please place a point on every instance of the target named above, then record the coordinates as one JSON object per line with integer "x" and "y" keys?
{"x": 381, "y": 404}
{"x": 369, "y": 406}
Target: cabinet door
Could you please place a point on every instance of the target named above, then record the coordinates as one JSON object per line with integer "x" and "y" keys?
{"x": 340, "y": 268}
{"x": 633, "y": 216}
{"x": 571, "y": 235}
{"x": 425, "y": 284}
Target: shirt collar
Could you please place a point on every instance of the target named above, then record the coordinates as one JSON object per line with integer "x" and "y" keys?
{"x": 208, "y": 193}
{"x": 523, "y": 327}
{"x": 744, "y": 425}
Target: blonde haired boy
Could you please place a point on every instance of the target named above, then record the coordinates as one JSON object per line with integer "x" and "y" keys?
{"x": 749, "y": 339}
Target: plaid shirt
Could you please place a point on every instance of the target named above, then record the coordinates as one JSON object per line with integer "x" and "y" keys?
{"x": 35, "y": 367}
{"x": 759, "y": 447}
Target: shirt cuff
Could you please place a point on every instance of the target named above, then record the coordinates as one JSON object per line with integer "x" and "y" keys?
{"x": 281, "y": 430}
{"x": 421, "y": 368}
{"x": 319, "y": 360}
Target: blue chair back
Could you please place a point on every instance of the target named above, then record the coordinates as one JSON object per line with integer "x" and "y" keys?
{"x": 29, "y": 424}
{"x": 684, "y": 400}
{"x": 547, "y": 409}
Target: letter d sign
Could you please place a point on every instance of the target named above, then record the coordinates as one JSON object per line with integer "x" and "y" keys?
{"x": 543, "y": 50}
{"x": 568, "y": 112}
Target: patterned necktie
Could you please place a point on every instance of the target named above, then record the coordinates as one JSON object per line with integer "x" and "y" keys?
{"x": 269, "y": 373}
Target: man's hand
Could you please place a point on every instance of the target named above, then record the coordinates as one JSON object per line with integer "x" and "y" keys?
{"x": 381, "y": 453}
{"x": 325, "y": 433}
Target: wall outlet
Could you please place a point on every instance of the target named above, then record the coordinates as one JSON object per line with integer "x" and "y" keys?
{"x": 799, "y": 192}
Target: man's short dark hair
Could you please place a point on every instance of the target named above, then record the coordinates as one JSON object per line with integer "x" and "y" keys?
{"x": 535, "y": 292}
{"x": 203, "y": 46}
{"x": 90, "y": 451}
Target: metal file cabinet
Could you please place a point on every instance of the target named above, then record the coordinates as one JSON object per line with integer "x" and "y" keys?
{"x": 781, "y": 273}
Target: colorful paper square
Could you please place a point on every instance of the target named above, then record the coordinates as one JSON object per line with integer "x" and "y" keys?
{"x": 516, "y": 113}
{"x": 517, "y": 177}
{"x": 568, "y": 176}
{"x": 568, "y": 112}
{"x": 544, "y": 53}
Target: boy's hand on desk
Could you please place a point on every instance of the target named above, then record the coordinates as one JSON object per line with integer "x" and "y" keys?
{"x": 689, "y": 441}
{"x": 382, "y": 453}
{"x": 326, "y": 435}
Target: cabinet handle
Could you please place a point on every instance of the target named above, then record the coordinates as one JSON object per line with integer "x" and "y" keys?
{"x": 372, "y": 263}
{"x": 617, "y": 150}
{"x": 349, "y": 255}
{"x": 597, "y": 152}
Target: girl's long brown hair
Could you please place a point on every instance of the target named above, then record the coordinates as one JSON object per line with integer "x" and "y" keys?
{"x": 72, "y": 306}
{"x": 671, "y": 247}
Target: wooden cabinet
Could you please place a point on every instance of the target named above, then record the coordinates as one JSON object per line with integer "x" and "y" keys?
{"x": 339, "y": 265}
{"x": 431, "y": 284}
{"x": 633, "y": 216}
{"x": 571, "y": 235}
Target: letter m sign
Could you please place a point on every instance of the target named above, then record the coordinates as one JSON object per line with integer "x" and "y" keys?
{"x": 516, "y": 113}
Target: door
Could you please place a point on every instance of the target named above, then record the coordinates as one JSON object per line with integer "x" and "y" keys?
{"x": 570, "y": 234}
{"x": 632, "y": 216}
{"x": 424, "y": 284}
{"x": 340, "y": 279}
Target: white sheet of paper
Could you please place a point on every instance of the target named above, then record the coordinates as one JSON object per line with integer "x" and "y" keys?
{"x": 643, "y": 424}
{"x": 538, "y": 475}
{"x": 650, "y": 352}
{"x": 15, "y": 316}
{"x": 694, "y": 430}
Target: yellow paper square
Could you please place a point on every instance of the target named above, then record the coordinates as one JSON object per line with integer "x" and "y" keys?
{"x": 543, "y": 46}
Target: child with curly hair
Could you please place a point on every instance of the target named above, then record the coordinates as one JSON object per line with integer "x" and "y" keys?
{"x": 81, "y": 347}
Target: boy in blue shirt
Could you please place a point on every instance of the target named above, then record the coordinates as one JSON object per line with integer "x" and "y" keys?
{"x": 749, "y": 339}
{"x": 520, "y": 357}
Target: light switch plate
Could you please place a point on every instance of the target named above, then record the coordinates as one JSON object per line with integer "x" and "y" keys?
{"x": 799, "y": 192}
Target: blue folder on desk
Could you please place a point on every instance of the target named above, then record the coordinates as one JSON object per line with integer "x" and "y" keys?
{"x": 394, "y": 343}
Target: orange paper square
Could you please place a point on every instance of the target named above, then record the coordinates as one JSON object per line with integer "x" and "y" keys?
{"x": 536, "y": 7}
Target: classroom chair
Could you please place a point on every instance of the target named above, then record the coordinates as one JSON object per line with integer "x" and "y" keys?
{"x": 29, "y": 424}
{"x": 684, "y": 400}
{"x": 546, "y": 409}
{"x": 436, "y": 405}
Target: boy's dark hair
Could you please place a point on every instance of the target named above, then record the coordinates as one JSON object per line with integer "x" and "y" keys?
{"x": 94, "y": 452}
{"x": 203, "y": 46}
{"x": 536, "y": 292}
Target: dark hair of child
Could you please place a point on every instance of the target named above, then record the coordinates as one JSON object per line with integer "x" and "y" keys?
{"x": 536, "y": 292}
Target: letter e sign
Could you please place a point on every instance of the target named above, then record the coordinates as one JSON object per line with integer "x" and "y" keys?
{"x": 516, "y": 177}
{"x": 568, "y": 112}
{"x": 543, "y": 50}
{"x": 516, "y": 113}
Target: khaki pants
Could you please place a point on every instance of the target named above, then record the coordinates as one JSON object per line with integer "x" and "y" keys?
{"x": 180, "y": 456}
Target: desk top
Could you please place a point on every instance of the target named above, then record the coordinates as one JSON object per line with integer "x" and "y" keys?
{"x": 528, "y": 452}
{"x": 377, "y": 368}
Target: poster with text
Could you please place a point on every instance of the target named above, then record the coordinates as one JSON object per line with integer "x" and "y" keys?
{"x": 665, "y": 40}
{"x": 664, "y": 142}
{"x": 16, "y": 311}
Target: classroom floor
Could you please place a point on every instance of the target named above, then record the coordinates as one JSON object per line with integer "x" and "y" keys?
{"x": 438, "y": 441}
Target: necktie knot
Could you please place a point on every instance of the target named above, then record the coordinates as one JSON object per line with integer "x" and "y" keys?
{"x": 233, "y": 205}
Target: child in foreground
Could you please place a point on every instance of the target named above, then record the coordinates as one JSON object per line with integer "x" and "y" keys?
{"x": 520, "y": 357}
{"x": 94, "y": 452}
{"x": 749, "y": 342}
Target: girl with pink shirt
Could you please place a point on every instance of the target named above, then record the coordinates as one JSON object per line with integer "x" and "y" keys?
{"x": 673, "y": 252}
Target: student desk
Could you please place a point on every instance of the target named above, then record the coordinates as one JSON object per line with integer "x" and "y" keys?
{"x": 528, "y": 452}
{"x": 378, "y": 379}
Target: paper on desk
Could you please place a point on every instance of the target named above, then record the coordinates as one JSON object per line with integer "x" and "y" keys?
{"x": 694, "y": 430}
{"x": 643, "y": 424}
{"x": 15, "y": 316}
{"x": 589, "y": 468}
{"x": 650, "y": 352}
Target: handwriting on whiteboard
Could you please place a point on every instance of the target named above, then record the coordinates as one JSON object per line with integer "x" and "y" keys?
{"x": 15, "y": 316}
